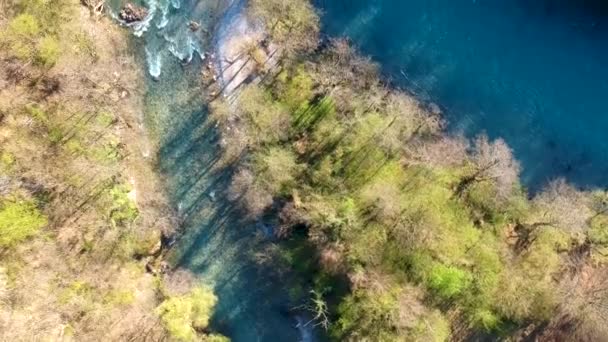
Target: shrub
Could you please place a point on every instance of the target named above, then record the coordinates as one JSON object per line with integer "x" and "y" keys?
{"x": 28, "y": 40}
{"x": 277, "y": 168}
{"x": 448, "y": 281}
{"x": 598, "y": 232}
{"x": 367, "y": 316}
{"x": 7, "y": 161}
{"x": 19, "y": 220}
{"x": 484, "y": 318}
{"x": 123, "y": 210}
{"x": 119, "y": 297}
{"x": 20, "y": 36}
{"x": 183, "y": 315}
{"x": 37, "y": 114}
{"x": 85, "y": 45}
{"x": 48, "y": 51}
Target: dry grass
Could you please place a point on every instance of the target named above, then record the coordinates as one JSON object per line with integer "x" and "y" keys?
{"x": 75, "y": 133}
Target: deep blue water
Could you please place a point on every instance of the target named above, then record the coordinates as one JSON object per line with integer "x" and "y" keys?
{"x": 532, "y": 72}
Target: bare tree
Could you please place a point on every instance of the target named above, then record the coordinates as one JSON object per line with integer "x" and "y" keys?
{"x": 292, "y": 24}
{"x": 444, "y": 151}
{"x": 492, "y": 161}
{"x": 584, "y": 312}
{"x": 563, "y": 206}
{"x": 560, "y": 206}
{"x": 250, "y": 195}
{"x": 340, "y": 68}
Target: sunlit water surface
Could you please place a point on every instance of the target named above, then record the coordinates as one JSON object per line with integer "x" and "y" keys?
{"x": 532, "y": 72}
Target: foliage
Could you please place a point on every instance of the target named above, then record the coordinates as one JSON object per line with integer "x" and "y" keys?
{"x": 276, "y": 168}
{"x": 7, "y": 161}
{"x": 122, "y": 209}
{"x": 20, "y": 34}
{"x": 19, "y": 220}
{"x": 389, "y": 315}
{"x": 48, "y": 51}
{"x": 448, "y": 281}
{"x": 371, "y": 176}
{"x": 295, "y": 29}
{"x": 368, "y": 316}
{"x": 32, "y": 35}
{"x": 184, "y": 315}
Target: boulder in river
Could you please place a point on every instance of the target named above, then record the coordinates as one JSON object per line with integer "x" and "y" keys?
{"x": 194, "y": 26}
{"x": 131, "y": 13}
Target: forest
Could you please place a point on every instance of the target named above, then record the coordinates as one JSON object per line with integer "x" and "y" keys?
{"x": 390, "y": 228}
{"x": 414, "y": 234}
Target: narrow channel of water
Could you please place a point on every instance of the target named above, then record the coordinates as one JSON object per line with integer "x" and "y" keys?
{"x": 532, "y": 72}
{"x": 218, "y": 245}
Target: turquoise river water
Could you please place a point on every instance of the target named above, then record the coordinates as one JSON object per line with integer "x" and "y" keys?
{"x": 532, "y": 72}
{"x": 218, "y": 245}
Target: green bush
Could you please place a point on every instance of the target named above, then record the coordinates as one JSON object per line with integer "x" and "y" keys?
{"x": 19, "y": 220}
{"x": 448, "y": 281}
{"x": 122, "y": 209}
{"x": 21, "y": 35}
{"x": 183, "y": 315}
{"x": 48, "y": 51}
{"x": 27, "y": 39}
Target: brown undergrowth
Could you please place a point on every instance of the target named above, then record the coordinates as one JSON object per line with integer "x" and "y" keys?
{"x": 72, "y": 145}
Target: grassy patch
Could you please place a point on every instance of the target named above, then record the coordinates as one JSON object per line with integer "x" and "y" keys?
{"x": 19, "y": 220}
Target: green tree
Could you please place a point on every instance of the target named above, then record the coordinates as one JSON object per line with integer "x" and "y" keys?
{"x": 276, "y": 168}
{"x": 184, "y": 315}
{"x": 448, "y": 281}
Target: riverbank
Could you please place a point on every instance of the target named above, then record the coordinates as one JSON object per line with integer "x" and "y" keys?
{"x": 83, "y": 211}
{"x": 432, "y": 233}
{"x": 218, "y": 246}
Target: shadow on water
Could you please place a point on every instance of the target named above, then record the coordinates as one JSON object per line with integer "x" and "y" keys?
{"x": 218, "y": 244}
{"x": 531, "y": 72}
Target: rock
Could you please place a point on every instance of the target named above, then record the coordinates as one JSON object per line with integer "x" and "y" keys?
{"x": 434, "y": 108}
{"x": 164, "y": 267}
{"x": 194, "y": 26}
{"x": 150, "y": 266}
{"x": 156, "y": 250}
{"x": 96, "y": 6}
{"x": 132, "y": 13}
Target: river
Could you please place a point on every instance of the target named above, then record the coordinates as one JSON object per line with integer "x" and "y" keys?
{"x": 218, "y": 245}
{"x": 532, "y": 72}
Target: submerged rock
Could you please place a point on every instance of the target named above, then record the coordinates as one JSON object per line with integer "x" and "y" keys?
{"x": 434, "y": 108}
{"x": 194, "y": 26}
{"x": 131, "y": 13}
